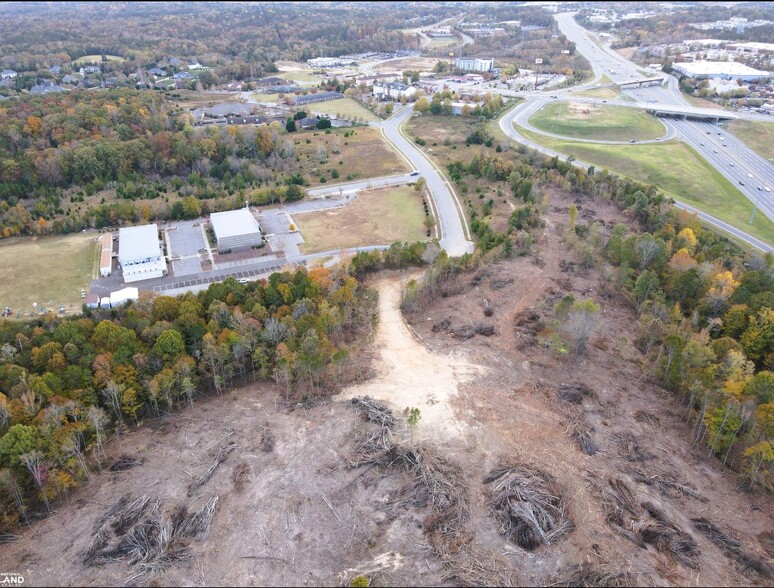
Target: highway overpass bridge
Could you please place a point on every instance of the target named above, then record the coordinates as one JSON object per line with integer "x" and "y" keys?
{"x": 643, "y": 83}
{"x": 687, "y": 112}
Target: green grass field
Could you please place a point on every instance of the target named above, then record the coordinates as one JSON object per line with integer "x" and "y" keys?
{"x": 674, "y": 168}
{"x": 47, "y": 270}
{"x": 377, "y": 217}
{"x": 96, "y": 59}
{"x": 298, "y": 76}
{"x": 347, "y": 108}
{"x": 265, "y": 97}
{"x": 758, "y": 135}
{"x": 605, "y": 123}
{"x": 604, "y": 93}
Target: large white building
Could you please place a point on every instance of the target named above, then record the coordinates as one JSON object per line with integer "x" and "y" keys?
{"x": 393, "y": 91}
{"x": 236, "y": 229}
{"x": 139, "y": 253}
{"x": 330, "y": 61}
{"x": 729, "y": 70}
{"x": 469, "y": 64}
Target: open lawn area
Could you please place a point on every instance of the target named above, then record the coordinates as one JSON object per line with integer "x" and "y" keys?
{"x": 47, "y": 270}
{"x": 758, "y": 135}
{"x": 441, "y": 43}
{"x": 346, "y": 108}
{"x": 264, "y": 97}
{"x": 193, "y": 99}
{"x": 674, "y": 168}
{"x": 589, "y": 121}
{"x": 376, "y": 217}
{"x": 96, "y": 59}
{"x": 300, "y": 76}
{"x": 604, "y": 93}
{"x": 362, "y": 151}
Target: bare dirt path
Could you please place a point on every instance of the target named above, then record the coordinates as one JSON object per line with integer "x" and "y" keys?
{"x": 409, "y": 375}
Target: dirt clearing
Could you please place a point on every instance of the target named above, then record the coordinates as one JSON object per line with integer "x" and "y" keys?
{"x": 410, "y": 376}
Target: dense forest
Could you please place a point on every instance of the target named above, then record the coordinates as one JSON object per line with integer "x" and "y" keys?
{"x": 676, "y": 28}
{"x": 67, "y": 383}
{"x": 134, "y": 142}
{"x": 231, "y": 37}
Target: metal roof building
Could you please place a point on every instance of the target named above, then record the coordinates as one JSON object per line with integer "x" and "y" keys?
{"x": 106, "y": 255}
{"x": 730, "y": 70}
{"x": 236, "y": 229}
{"x": 139, "y": 253}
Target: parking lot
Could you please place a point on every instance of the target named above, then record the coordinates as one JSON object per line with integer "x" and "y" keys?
{"x": 276, "y": 227}
{"x": 185, "y": 241}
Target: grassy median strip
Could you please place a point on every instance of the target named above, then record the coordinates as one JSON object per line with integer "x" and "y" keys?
{"x": 377, "y": 217}
{"x": 676, "y": 169}
{"x": 581, "y": 120}
{"x": 47, "y": 270}
{"x": 757, "y": 135}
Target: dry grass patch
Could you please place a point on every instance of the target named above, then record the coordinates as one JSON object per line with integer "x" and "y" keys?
{"x": 47, "y": 270}
{"x": 377, "y": 217}
{"x": 362, "y": 151}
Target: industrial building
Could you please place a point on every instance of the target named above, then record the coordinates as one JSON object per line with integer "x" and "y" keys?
{"x": 468, "y": 64}
{"x": 106, "y": 255}
{"x": 729, "y": 70}
{"x": 139, "y": 253}
{"x": 236, "y": 229}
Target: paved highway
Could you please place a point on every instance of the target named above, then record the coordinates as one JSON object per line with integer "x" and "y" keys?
{"x": 750, "y": 173}
{"x": 506, "y": 125}
{"x": 455, "y": 235}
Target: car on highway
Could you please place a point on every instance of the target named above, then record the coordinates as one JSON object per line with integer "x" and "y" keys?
{"x": 731, "y": 164}
{"x": 741, "y": 182}
{"x": 714, "y": 150}
{"x": 709, "y": 133}
{"x": 749, "y": 175}
{"x": 415, "y": 173}
{"x": 702, "y": 144}
{"x": 243, "y": 280}
{"x": 760, "y": 189}
{"x": 767, "y": 189}
{"x": 633, "y": 141}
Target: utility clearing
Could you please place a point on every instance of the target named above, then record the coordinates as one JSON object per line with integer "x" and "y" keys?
{"x": 524, "y": 466}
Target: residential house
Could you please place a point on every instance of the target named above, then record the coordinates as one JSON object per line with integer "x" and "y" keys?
{"x": 68, "y": 79}
{"x": 157, "y": 72}
{"x": 307, "y": 123}
{"x": 56, "y": 69}
{"x": 8, "y": 74}
{"x": 47, "y": 88}
{"x": 393, "y": 90}
{"x": 183, "y": 75}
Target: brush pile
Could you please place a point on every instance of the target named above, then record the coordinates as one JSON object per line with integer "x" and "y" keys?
{"x": 528, "y": 505}
{"x": 220, "y": 457}
{"x": 667, "y": 537}
{"x": 733, "y": 548}
{"x": 137, "y": 532}
{"x": 587, "y": 574}
{"x": 125, "y": 462}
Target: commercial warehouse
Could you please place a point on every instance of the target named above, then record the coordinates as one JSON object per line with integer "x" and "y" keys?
{"x": 139, "y": 253}
{"x": 729, "y": 70}
{"x": 236, "y": 229}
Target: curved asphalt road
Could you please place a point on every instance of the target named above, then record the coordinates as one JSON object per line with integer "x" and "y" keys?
{"x": 455, "y": 235}
{"x": 506, "y": 125}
